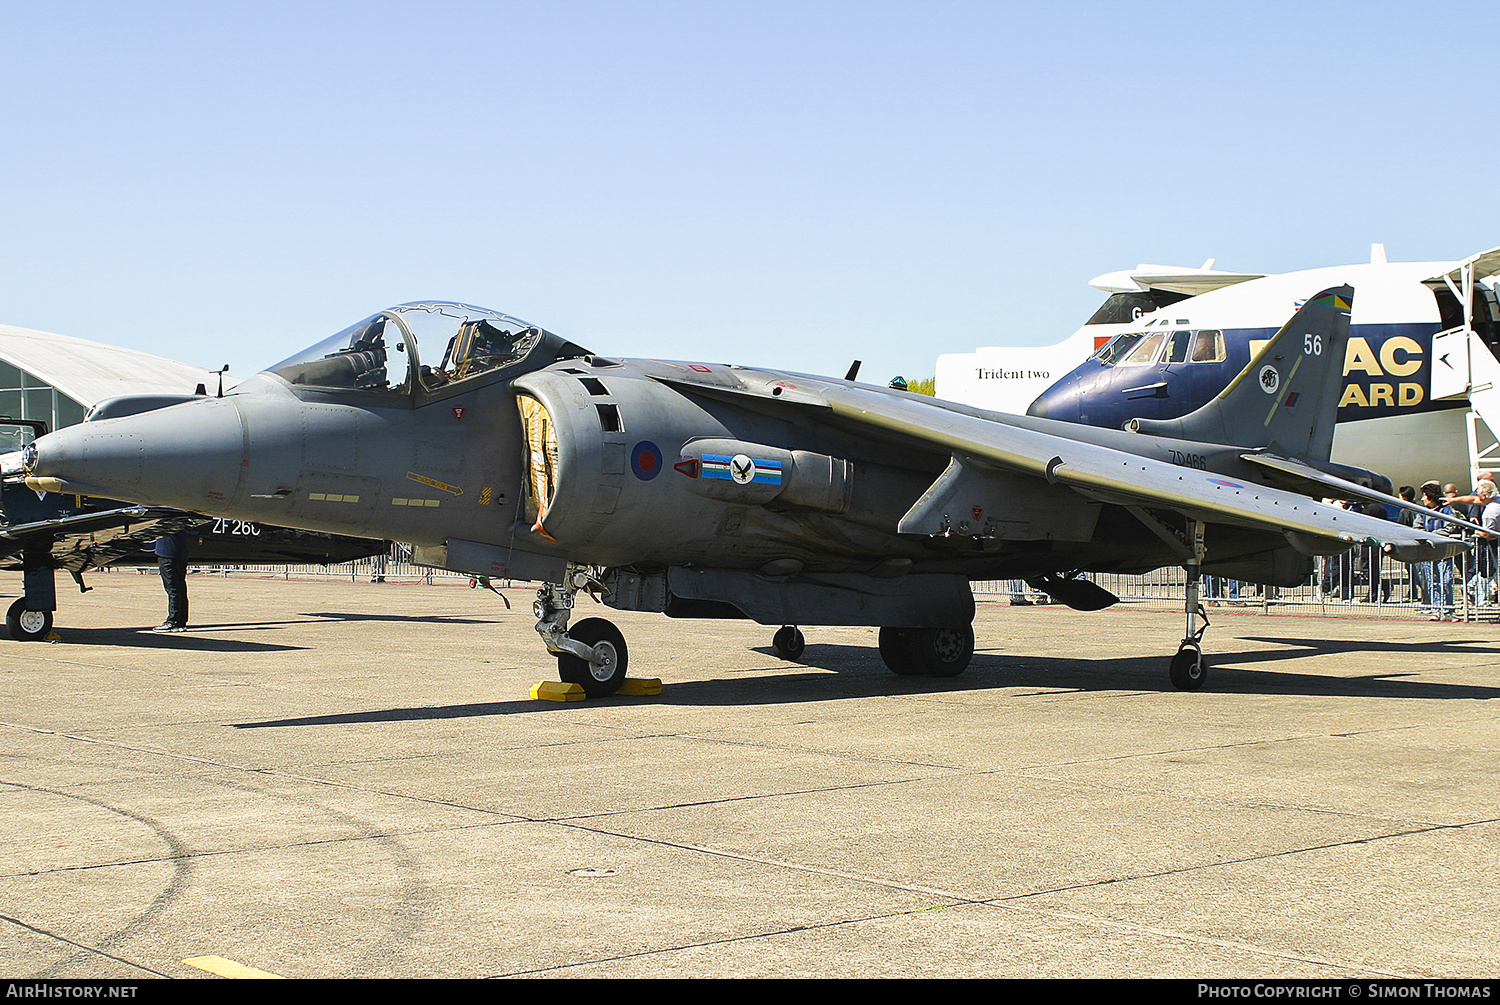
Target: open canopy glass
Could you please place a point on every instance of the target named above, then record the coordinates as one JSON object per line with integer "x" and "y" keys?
{"x": 423, "y": 346}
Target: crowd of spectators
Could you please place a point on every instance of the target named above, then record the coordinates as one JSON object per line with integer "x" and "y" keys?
{"x": 1357, "y": 577}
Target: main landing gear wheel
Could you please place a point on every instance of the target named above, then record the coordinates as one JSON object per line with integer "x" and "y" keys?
{"x": 27, "y": 626}
{"x": 604, "y": 677}
{"x": 1189, "y": 668}
{"x": 788, "y": 643}
{"x": 927, "y": 652}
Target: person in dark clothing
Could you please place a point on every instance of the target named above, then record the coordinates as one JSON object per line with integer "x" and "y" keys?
{"x": 1407, "y": 518}
{"x": 171, "y": 561}
{"x": 1379, "y": 588}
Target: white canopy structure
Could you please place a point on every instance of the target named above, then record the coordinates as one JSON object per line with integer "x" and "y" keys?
{"x": 57, "y": 378}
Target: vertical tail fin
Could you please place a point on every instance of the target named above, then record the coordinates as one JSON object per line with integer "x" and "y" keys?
{"x": 1286, "y": 398}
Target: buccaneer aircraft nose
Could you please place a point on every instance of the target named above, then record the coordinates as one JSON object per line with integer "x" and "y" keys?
{"x": 187, "y": 456}
{"x": 1060, "y": 401}
{"x": 1065, "y": 399}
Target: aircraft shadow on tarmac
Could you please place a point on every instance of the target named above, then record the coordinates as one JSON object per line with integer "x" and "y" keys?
{"x": 1230, "y": 672}
{"x": 142, "y": 638}
{"x": 843, "y": 672}
{"x": 425, "y": 619}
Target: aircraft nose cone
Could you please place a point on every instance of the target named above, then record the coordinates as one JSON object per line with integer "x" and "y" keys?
{"x": 185, "y": 455}
{"x": 1038, "y": 407}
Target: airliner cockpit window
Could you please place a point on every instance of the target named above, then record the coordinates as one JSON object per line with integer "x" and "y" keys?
{"x": 422, "y": 346}
{"x": 1146, "y": 351}
{"x": 1115, "y": 349}
{"x": 1178, "y": 347}
{"x": 1208, "y": 347}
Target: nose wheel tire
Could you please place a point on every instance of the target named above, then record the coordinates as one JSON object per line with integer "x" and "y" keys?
{"x": 27, "y": 626}
{"x": 927, "y": 652}
{"x": 604, "y": 677}
{"x": 788, "y": 643}
{"x": 1189, "y": 668}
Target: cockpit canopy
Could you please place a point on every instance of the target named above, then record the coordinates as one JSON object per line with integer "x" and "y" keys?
{"x": 423, "y": 347}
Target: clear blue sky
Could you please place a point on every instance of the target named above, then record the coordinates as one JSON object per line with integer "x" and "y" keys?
{"x": 786, "y": 184}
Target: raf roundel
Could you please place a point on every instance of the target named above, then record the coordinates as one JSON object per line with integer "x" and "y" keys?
{"x": 645, "y": 460}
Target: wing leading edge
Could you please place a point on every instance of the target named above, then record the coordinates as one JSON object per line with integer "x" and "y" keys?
{"x": 1114, "y": 476}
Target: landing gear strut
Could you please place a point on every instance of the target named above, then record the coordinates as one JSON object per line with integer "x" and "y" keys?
{"x": 593, "y": 655}
{"x": 1189, "y": 669}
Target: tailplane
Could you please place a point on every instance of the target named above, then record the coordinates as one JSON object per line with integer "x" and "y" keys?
{"x": 1286, "y": 398}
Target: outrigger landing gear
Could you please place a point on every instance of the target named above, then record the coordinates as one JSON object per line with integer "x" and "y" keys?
{"x": 788, "y": 643}
{"x": 1189, "y": 669}
{"x": 593, "y": 655}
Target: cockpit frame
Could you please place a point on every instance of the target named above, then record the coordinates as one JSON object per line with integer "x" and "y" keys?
{"x": 476, "y": 344}
{"x": 1162, "y": 347}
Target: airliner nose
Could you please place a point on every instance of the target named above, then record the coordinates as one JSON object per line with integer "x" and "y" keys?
{"x": 187, "y": 456}
{"x": 1062, "y": 401}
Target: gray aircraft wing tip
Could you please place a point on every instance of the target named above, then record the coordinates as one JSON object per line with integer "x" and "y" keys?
{"x": 84, "y": 523}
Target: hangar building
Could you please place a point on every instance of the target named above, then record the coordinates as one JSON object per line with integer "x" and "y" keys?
{"x": 57, "y": 378}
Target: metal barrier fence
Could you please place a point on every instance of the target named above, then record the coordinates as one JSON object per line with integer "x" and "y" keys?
{"x": 369, "y": 570}
{"x": 1341, "y": 587}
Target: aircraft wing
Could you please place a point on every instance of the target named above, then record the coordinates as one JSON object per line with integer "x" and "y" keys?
{"x": 1098, "y": 472}
{"x": 1342, "y": 488}
{"x": 90, "y": 540}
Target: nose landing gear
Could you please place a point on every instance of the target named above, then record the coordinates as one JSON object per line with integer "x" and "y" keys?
{"x": 25, "y": 625}
{"x": 593, "y": 654}
{"x": 603, "y": 673}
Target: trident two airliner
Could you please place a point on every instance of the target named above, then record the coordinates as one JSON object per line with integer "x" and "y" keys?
{"x": 1168, "y": 339}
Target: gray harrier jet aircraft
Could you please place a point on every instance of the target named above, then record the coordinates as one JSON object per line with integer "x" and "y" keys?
{"x": 706, "y": 490}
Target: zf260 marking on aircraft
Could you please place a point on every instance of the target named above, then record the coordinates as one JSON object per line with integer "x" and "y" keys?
{"x": 234, "y": 528}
